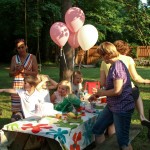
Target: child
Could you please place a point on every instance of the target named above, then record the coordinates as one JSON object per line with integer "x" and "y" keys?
{"x": 29, "y": 96}
{"x": 63, "y": 90}
{"x": 46, "y": 84}
{"x": 76, "y": 82}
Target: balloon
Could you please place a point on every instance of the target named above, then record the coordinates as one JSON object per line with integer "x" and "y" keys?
{"x": 73, "y": 41}
{"x": 59, "y": 33}
{"x": 87, "y": 36}
{"x": 74, "y": 18}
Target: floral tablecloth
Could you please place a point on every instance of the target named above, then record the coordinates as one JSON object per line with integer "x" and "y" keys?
{"x": 72, "y": 135}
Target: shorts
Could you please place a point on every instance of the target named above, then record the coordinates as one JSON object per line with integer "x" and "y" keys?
{"x": 135, "y": 93}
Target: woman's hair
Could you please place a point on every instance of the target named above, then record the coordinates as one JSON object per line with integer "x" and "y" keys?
{"x": 122, "y": 47}
{"x": 75, "y": 73}
{"x": 67, "y": 84}
{"x": 18, "y": 41}
{"x": 32, "y": 80}
{"x": 108, "y": 50}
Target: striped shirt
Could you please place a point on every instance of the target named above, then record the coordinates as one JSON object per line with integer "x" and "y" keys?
{"x": 18, "y": 81}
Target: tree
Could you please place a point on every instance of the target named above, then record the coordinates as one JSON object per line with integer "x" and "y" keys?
{"x": 66, "y": 60}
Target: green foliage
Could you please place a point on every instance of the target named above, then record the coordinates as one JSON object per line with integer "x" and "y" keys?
{"x": 114, "y": 19}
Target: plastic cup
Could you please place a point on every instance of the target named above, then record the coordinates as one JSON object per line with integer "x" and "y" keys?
{"x": 103, "y": 100}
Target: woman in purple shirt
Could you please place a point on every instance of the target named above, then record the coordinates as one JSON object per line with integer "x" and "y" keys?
{"x": 120, "y": 103}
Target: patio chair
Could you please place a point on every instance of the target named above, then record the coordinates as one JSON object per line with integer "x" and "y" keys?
{"x": 89, "y": 85}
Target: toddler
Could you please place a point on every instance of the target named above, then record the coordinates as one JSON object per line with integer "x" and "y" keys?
{"x": 76, "y": 82}
{"x": 63, "y": 90}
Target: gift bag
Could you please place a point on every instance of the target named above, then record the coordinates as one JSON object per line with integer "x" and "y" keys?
{"x": 68, "y": 104}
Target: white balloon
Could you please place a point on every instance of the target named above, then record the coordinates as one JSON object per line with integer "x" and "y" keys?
{"x": 87, "y": 36}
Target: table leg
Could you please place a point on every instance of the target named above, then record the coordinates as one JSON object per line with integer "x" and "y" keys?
{"x": 20, "y": 141}
{"x": 53, "y": 144}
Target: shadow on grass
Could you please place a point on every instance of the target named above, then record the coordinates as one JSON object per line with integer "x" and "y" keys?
{"x": 4, "y": 121}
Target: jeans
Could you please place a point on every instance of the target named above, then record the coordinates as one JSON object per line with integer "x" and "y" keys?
{"x": 121, "y": 121}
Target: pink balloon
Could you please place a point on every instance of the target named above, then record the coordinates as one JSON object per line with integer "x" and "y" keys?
{"x": 59, "y": 33}
{"x": 74, "y": 18}
{"x": 73, "y": 41}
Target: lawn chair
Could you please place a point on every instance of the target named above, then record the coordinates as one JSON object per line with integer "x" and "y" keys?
{"x": 89, "y": 85}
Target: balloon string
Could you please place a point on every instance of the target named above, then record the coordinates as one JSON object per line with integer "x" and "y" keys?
{"x": 61, "y": 51}
{"x": 65, "y": 60}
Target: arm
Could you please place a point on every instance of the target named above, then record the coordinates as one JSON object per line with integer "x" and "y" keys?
{"x": 15, "y": 69}
{"x": 135, "y": 76}
{"x": 12, "y": 91}
{"x": 117, "y": 90}
{"x": 52, "y": 98}
{"x": 53, "y": 84}
{"x": 34, "y": 70}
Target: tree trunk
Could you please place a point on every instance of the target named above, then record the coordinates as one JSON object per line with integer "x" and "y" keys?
{"x": 66, "y": 60}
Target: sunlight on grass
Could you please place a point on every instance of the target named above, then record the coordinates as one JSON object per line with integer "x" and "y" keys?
{"x": 135, "y": 121}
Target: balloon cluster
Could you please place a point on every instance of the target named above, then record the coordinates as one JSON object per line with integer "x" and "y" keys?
{"x": 74, "y": 31}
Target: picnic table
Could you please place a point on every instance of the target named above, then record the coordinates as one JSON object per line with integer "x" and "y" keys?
{"x": 70, "y": 134}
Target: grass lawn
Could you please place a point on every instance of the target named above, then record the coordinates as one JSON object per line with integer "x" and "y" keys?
{"x": 140, "y": 142}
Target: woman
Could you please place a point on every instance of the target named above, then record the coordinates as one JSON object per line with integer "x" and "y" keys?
{"x": 22, "y": 64}
{"x": 120, "y": 103}
{"x": 123, "y": 48}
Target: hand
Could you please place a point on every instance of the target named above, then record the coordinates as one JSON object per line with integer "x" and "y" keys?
{"x": 93, "y": 97}
{"x": 94, "y": 90}
{"x": 19, "y": 68}
{"x": 147, "y": 81}
{"x": 1, "y": 90}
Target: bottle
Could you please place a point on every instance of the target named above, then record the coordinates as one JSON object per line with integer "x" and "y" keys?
{"x": 82, "y": 105}
{"x": 81, "y": 95}
{"x": 85, "y": 92}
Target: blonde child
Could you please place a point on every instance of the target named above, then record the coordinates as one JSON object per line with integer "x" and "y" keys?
{"x": 76, "y": 82}
{"x": 29, "y": 97}
{"x": 63, "y": 90}
{"x": 45, "y": 84}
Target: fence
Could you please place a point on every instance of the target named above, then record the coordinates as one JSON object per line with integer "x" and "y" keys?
{"x": 143, "y": 51}
{"x": 87, "y": 57}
